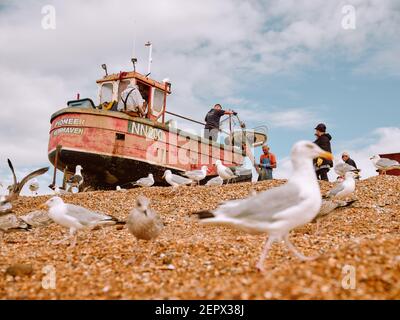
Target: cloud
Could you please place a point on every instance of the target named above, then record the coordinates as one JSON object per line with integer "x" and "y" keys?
{"x": 289, "y": 118}
{"x": 211, "y": 51}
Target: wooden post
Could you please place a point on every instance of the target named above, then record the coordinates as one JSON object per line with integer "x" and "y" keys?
{"x": 53, "y": 184}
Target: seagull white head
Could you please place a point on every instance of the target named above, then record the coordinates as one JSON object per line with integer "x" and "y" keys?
{"x": 218, "y": 163}
{"x": 204, "y": 168}
{"x": 52, "y": 202}
{"x": 78, "y": 168}
{"x": 375, "y": 157}
{"x": 167, "y": 173}
{"x": 142, "y": 204}
{"x": 150, "y": 175}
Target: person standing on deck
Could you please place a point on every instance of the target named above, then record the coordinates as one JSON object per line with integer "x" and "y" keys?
{"x": 267, "y": 164}
{"x": 131, "y": 101}
{"x": 212, "y": 120}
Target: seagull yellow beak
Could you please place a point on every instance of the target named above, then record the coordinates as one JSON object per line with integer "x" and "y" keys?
{"x": 326, "y": 155}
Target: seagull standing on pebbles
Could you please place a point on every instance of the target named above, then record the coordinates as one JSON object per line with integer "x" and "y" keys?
{"x": 34, "y": 186}
{"x": 175, "y": 180}
{"x": 197, "y": 175}
{"x": 75, "y": 217}
{"x": 143, "y": 222}
{"x": 77, "y": 179}
{"x": 384, "y": 164}
{"x": 345, "y": 188}
{"x": 278, "y": 210}
{"x": 145, "y": 182}
{"x": 224, "y": 172}
{"x": 217, "y": 181}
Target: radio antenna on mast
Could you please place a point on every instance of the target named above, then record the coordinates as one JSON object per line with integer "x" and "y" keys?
{"x": 150, "y": 45}
{"x": 134, "y": 58}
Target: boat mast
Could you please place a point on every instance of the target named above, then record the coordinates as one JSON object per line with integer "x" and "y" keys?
{"x": 150, "y": 45}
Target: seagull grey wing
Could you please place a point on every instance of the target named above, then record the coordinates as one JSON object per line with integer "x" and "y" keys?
{"x": 342, "y": 168}
{"x": 228, "y": 171}
{"x": 327, "y": 207}
{"x": 37, "y": 218}
{"x": 335, "y": 190}
{"x": 75, "y": 179}
{"x": 85, "y": 216}
{"x": 387, "y": 163}
{"x": 196, "y": 173}
{"x": 263, "y": 206}
{"x": 11, "y": 222}
{"x": 180, "y": 180}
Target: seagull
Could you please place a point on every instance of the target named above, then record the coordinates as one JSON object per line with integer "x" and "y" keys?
{"x": 329, "y": 206}
{"x": 385, "y": 164}
{"x": 342, "y": 168}
{"x": 15, "y": 189}
{"x": 175, "y": 180}
{"x": 217, "y": 181}
{"x": 11, "y": 223}
{"x": 197, "y": 175}
{"x": 34, "y": 186}
{"x": 145, "y": 182}
{"x": 5, "y": 206}
{"x": 75, "y": 217}
{"x": 278, "y": 210}
{"x": 37, "y": 218}
{"x": 143, "y": 222}
{"x": 224, "y": 172}
{"x": 77, "y": 179}
{"x": 118, "y": 188}
{"x": 345, "y": 188}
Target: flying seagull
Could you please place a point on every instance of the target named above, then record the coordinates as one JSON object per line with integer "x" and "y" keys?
{"x": 278, "y": 210}
{"x": 16, "y": 187}
{"x": 197, "y": 175}
{"x": 224, "y": 172}
{"x": 76, "y": 217}
{"x": 384, "y": 164}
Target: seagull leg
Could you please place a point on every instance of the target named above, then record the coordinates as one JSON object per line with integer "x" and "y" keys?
{"x": 268, "y": 244}
{"x": 73, "y": 234}
{"x": 296, "y": 252}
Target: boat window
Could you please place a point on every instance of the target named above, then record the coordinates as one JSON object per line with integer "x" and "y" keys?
{"x": 106, "y": 92}
{"x": 158, "y": 102}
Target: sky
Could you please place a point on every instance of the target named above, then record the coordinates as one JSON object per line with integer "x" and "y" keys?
{"x": 287, "y": 65}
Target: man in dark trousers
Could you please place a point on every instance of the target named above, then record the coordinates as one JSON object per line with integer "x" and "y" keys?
{"x": 322, "y": 166}
{"x": 212, "y": 119}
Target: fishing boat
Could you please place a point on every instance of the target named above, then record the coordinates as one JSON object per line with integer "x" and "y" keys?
{"x": 116, "y": 148}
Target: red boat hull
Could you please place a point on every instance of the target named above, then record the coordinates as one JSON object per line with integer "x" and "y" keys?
{"x": 114, "y": 148}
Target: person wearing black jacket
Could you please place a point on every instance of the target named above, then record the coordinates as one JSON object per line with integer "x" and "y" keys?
{"x": 322, "y": 166}
{"x": 212, "y": 120}
{"x": 346, "y": 158}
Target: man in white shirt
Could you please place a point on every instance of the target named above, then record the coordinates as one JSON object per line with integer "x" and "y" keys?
{"x": 132, "y": 101}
